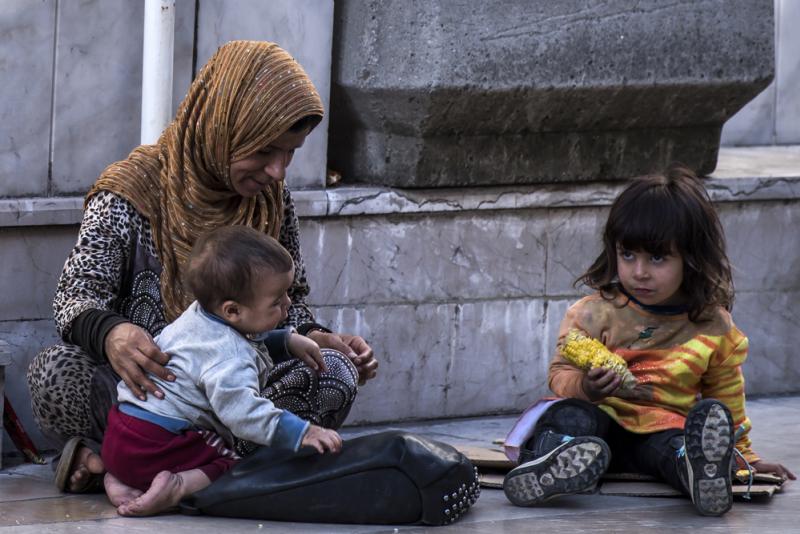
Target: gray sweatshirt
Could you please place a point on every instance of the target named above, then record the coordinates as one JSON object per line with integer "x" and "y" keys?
{"x": 218, "y": 379}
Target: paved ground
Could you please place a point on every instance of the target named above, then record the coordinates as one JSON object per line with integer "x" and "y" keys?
{"x": 30, "y": 504}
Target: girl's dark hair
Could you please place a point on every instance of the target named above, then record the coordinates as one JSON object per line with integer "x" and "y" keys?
{"x": 652, "y": 214}
{"x": 225, "y": 263}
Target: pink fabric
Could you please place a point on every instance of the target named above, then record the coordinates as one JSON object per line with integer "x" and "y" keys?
{"x": 523, "y": 428}
{"x": 135, "y": 451}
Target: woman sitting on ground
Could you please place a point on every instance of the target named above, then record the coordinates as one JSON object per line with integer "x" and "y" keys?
{"x": 221, "y": 162}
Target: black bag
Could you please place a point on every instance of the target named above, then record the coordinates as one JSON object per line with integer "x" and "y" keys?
{"x": 386, "y": 478}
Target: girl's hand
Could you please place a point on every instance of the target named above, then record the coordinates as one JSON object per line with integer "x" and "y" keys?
{"x": 766, "y": 467}
{"x": 132, "y": 354}
{"x": 322, "y": 439}
{"x": 354, "y": 347}
{"x": 599, "y": 383}
{"x": 306, "y": 350}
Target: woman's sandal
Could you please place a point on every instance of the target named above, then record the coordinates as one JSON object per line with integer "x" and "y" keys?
{"x": 65, "y": 468}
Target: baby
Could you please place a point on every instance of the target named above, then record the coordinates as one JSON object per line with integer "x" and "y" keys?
{"x": 158, "y": 451}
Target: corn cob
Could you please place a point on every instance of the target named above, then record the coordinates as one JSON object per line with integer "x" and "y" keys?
{"x": 587, "y": 353}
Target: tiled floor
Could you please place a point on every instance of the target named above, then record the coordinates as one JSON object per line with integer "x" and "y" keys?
{"x": 29, "y": 503}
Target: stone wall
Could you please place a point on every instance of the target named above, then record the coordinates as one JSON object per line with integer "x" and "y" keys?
{"x": 772, "y": 117}
{"x": 460, "y": 291}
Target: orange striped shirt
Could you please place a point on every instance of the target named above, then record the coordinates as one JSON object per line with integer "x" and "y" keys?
{"x": 675, "y": 361}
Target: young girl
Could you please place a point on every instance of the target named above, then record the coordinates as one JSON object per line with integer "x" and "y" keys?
{"x": 663, "y": 298}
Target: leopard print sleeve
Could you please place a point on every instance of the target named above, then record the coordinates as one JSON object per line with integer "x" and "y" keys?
{"x": 299, "y": 312}
{"x": 94, "y": 268}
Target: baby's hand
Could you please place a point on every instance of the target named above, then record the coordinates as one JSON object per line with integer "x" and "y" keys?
{"x": 600, "y": 382}
{"x": 777, "y": 469}
{"x": 322, "y": 439}
{"x": 306, "y": 350}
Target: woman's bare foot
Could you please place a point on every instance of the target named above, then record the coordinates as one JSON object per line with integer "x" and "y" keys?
{"x": 86, "y": 464}
{"x": 166, "y": 491}
{"x": 117, "y": 492}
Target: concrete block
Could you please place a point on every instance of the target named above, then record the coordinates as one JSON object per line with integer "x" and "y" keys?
{"x": 434, "y": 93}
{"x": 573, "y": 242}
{"x": 762, "y": 245}
{"x": 413, "y": 344}
{"x": 182, "y": 66}
{"x": 554, "y": 314}
{"x": 501, "y": 362}
{"x": 25, "y": 339}
{"x": 770, "y": 322}
{"x": 98, "y": 81}
{"x": 304, "y": 28}
{"x": 5, "y": 359}
{"x": 448, "y": 360}
{"x": 754, "y": 124}
{"x": 98, "y": 86}
{"x": 787, "y": 126}
{"x": 32, "y": 262}
{"x": 26, "y": 68}
{"x": 423, "y": 258}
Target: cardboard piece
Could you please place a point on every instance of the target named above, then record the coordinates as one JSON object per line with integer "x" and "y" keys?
{"x": 659, "y": 489}
{"x": 491, "y": 479}
{"x": 492, "y": 458}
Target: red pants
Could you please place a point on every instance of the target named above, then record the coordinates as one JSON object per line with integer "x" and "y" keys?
{"x": 135, "y": 451}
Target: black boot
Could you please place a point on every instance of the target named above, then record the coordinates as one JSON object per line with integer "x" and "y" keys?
{"x": 707, "y": 456}
{"x": 570, "y": 417}
{"x": 564, "y": 465}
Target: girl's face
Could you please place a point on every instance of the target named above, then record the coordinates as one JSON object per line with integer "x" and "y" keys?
{"x": 651, "y": 279}
{"x": 251, "y": 175}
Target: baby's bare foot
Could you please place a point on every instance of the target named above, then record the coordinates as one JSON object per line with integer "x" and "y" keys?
{"x": 164, "y": 492}
{"x": 117, "y": 492}
{"x": 86, "y": 464}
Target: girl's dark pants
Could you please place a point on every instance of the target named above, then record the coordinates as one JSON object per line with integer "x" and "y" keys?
{"x": 654, "y": 454}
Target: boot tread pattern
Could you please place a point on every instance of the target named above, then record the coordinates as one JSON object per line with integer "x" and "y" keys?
{"x": 709, "y": 446}
{"x": 573, "y": 467}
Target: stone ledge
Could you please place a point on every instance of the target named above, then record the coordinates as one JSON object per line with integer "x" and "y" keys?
{"x": 51, "y": 211}
{"x": 743, "y": 174}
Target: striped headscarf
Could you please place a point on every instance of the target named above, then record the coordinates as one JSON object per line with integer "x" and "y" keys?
{"x": 248, "y": 94}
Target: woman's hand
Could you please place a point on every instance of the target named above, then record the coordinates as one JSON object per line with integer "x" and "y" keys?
{"x": 354, "y": 347}
{"x": 777, "y": 469}
{"x": 132, "y": 354}
{"x": 599, "y": 383}
{"x": 306, "y": 350}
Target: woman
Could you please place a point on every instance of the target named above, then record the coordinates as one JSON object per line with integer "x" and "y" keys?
{"x": 222, "y": 161}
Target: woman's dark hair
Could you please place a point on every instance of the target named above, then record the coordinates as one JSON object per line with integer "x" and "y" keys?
{"x": 656, "y": 212}
{"x": 225, "y": 262}
{"x": 309, "y": 122}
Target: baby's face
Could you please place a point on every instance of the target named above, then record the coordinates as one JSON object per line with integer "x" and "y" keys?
{"x": 270, "y": 305}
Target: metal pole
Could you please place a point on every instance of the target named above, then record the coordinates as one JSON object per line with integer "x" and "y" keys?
{"x": 157, "y": 52}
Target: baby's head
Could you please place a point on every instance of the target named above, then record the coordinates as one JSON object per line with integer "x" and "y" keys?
{"x": 663, "y": 223}
{"x": 242, "y": 275}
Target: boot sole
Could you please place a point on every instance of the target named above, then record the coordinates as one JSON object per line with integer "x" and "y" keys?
{"x": 709, "y": 447}
{"x": 573, "y": 467}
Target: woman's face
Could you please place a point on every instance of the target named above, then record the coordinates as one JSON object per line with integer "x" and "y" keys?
{"x": 251, "y": 175}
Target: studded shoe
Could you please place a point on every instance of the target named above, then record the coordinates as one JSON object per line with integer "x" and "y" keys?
{"x": 708, "y": 451}
{"x": 572, "y": 467}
